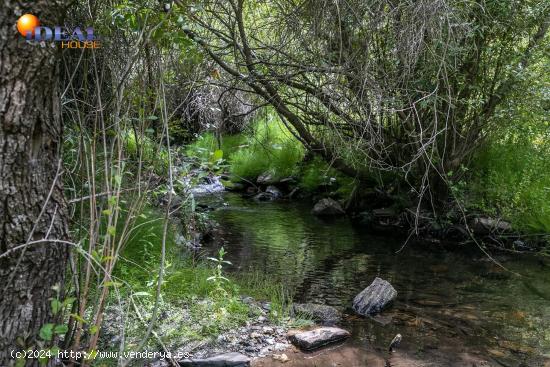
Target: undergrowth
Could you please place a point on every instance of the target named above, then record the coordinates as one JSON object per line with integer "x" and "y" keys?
{"x": 514, "y": 182}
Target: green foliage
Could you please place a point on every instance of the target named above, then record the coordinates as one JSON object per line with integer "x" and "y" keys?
{"x": 511, "y": 174}
{"x": 266, "y": 147}
{"x": 144, "y": 149}
{"x": 212, "y": 297}
{"x": 142, "y": 248}
{"x": 263, "y": 287}
{"x": 217, "y": 278}
{"x": 513, "y": 180}
{"x": 316, "y": 173}
{"x": 270, "y": 148}
{"x": 219, "y": 314}
{"x": 208, "y": 151}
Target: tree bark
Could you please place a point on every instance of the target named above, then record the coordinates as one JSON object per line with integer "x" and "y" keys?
{"x": 32, "y": 205}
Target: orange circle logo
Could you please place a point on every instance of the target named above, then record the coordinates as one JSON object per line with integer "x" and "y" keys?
{"x": 27, "y": 23}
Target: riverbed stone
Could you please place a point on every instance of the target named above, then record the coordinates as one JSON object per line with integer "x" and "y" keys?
{"x": 328, "y": 207}
{"x": 314, "y": 339}
{"x": 233, "y": 359}
{"x": 326, "y": 315}
{"x": 374, "y": 298}
{"x": 265, "y": 178}
{"x": 274, "y": 191}
{"x": 263, "y": 196}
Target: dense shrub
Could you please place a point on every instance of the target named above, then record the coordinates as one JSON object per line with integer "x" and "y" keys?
{"x": 513, "y": 181}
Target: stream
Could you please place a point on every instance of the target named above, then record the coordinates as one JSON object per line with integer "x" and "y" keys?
{"x": 453, "y": 308}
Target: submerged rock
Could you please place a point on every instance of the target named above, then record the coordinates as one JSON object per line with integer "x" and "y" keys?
{"x": 223, "y": 360}
{"x": 395, "y": 342}
{"x": 374, "y": 298}
{"x": 263, "y": 196}
{"x": 328, "y": 207}
{"x": 273, "y": 191}
{"x": 324, "y": 314}
{"x": 317, "y": 338}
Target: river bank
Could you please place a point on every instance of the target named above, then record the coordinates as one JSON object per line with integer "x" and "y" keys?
{"x": 454, "y": 308}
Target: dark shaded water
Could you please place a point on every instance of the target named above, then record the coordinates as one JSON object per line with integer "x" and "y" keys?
{"x": 453, "y": 309}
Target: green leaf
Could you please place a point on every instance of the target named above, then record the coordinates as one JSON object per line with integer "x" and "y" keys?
{"x": 78, "y": 318}
{"x": 111, "y": 230}
{"x": 96, "y": 256}
{"x": 56, "y": 306}
{"x": 113, "y": 284}
{"x": 112, "y": 200}
{"x": 69, "y": 301}
{"x": 218, "y": 154}
{"x": 107, "y": 212}
{"x": 46, "y": 332}
{"x": 60, "y": 329}
{"x": 94, "y": 329}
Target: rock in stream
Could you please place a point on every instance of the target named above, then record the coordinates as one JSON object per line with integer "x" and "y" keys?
{"x": 328, "y": 207}
{"x": 313, "y": 339}
{"x": 326, "y": 315}
{"x": 374, "y": 298}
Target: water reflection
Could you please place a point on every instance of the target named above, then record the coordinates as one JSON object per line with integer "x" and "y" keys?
{"x": 450, "y": 307}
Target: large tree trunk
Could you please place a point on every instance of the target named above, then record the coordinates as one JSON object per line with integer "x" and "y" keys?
{"x": 32, "y": 206}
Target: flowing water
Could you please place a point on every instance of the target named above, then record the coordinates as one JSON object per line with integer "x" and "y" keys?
{"x": 452, "y": 309}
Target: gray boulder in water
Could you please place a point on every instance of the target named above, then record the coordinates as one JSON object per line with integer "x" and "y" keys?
{"x": 327, "y": 315}
{"x": 328, "y": 207}
{"x": 271, "y": 194}
{"x": 317, "y": 338}
{"x": 374, "y": 298}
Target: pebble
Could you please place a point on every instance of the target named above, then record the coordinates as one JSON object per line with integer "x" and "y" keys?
{"x": 281, "y": 357}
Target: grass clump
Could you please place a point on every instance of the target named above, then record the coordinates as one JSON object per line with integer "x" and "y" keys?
{"x": 209, "y": 299}
{"x": 316, "y": 175}
{"x": 514, "y": 182}
{"x": 266, "y": 147}
{"x": 145, "y": 149}
{"x": 270, "y": 148}
{"x": 204, "y": 148}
